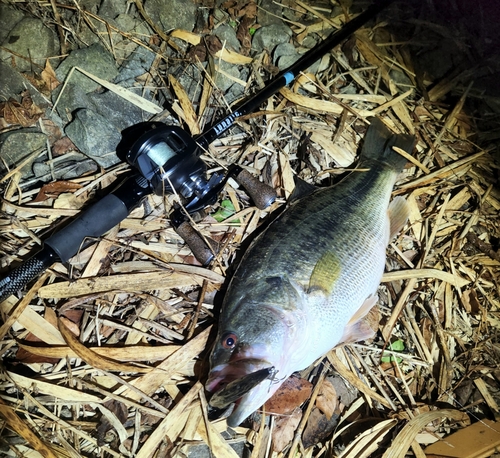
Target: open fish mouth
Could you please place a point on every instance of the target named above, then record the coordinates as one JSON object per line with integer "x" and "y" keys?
{"x": 237, "y": 388}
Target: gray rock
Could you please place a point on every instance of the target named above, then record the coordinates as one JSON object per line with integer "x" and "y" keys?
{"x": 285, "y": 55}
{"x": 17, "y": 146}
{"x": 203, "y": 451}
{"x": 227, "y": 35}
{"x": 268, "y": 37}
{"x": 136, "y": 64}
{"x": 94, "y": 59}
{"x": 400, "y": 78}
{"x": 110, "y": 9}
{"x": 94, "y": 136}
{"x": 269, "y": 13}
{"x": 237, "y": 90}
{"x": 70, "y": 165}
{"x": 222, "y": 81}
{"x": 116, "y": 110}
{"x": 172, "y": 14}
{"x": 9, "y": 17}
{"x": 190, "y": 78}
{"x": 36, "y": 46}
{"x": 69, "y": 99}
{"x": 13, "y": 84}
{"x": 123, "y": 48}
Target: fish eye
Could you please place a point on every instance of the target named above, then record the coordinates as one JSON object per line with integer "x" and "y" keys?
{"x": 229, "y": 340}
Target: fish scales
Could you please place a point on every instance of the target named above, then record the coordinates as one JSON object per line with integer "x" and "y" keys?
{"x": 306, "y": 282}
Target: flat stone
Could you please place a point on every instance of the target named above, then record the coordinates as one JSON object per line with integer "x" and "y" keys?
{"x": 19, "y": 145}
{"x": 9, "y": 17}
{"x": 268, "y": 37}
{"x": 94, "y": 136}
{"x": 35, "y": 46}
{"x": 172, "y": 14}
{"x": 227, "y": 35}
{"x": 95, "y": 60}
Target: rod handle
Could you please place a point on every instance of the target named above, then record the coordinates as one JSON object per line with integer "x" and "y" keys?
{"x": 30, "y": 269}
{"x": 262, "y": 194}
{"x": 202, "y": 252}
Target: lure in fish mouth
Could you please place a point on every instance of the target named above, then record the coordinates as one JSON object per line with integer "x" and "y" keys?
{"x": 234, "y": 390}
{"x": 241, "y": 377}
{"x": 308, "y": 281}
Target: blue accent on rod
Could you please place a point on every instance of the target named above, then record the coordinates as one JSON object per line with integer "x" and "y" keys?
{"x": 289, "y": 76}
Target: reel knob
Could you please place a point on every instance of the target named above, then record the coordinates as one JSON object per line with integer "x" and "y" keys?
{"x": 201, "y": 251}
{"x": 262, "y": 194}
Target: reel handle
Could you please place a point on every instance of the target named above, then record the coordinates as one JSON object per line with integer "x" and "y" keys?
{"x": 262, "y": 194}
{"x": 201, "y": 251}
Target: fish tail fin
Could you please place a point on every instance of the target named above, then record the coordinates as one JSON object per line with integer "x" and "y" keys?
{"x": 379, "y": 142}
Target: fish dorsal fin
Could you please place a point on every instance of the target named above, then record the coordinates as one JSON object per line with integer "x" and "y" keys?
{"x": 325, "y": 273}
{"x": 398, "y": 211}
{"x": 302, "y": 189}
{"x": 357, "y": 328}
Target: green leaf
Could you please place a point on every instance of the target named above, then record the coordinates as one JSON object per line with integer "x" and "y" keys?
{"x": 225, "y": 210}
{"x": 252, "y": 31}
{"x": 397, "y": 345}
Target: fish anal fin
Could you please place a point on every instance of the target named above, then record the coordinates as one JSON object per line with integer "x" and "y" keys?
{"x": 325, "y": 274}
{"x": 358, "y": 327}
{"x": 398, "y": 212}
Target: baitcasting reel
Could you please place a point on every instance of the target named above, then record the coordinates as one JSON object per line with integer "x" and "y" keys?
{"x": 169, "y": 160}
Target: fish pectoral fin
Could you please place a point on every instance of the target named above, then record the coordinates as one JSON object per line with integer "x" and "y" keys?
{"x": 356, "y": 332}
{"x": 399, "y": 212}
{"x": 358, "y": 328}
{"x": 325, "y": 274}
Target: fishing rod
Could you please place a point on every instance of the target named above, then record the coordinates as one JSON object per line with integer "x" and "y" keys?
{"x": 166, "y": 159}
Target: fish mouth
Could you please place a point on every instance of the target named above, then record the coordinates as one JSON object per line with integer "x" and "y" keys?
{"x": 220, "y": 376}
{"x": 246, "y": 388}
{"x": 234, "y": 390}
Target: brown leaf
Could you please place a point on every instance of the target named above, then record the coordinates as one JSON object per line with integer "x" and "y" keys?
{"x": 327, "y": 399}
{"x": 69, "y": 327}
{"x": 318, "y": 428}
{"x": 291, "y": 394}
{"x": 52, "y": 130}
{"x": 62, "y": 146}
{"x": 243, "y": 34}
{"x": 120, "y": 411}
{"x": 55, "y": 188}
{"x": 284, "y": 429}
{"x": 23, "y": 355}
{"x": 197, "y": 53}
{"x": 49, "y": 78}
{"x": 25, "y": 113}
{"x": 213, "y": 44}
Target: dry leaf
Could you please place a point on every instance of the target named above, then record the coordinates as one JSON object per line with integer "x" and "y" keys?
{"x": 49, "y": 78}
{"x": 318, "y": 428}
{"x": 25, "y": 113}
{"x": 55, "y": 188}
{"x": 15, "y": 423}
{"x": 327, "y": 399}
{"x": 291, "y": 394}
{"x": 284, "y": 429}
{"x": 63, "y": 145}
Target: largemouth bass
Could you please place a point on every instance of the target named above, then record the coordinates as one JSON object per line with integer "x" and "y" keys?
{"x": 306, "y": 283}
